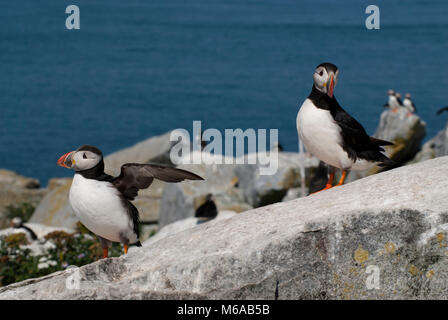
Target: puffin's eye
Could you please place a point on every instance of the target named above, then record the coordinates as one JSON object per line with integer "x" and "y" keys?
{"x": 321, "y": 73}
{"x": 84, "y": 156}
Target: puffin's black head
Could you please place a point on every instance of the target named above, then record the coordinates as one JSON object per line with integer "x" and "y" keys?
{"x": 325, "y": 78}
{"x": 84, "y": 158}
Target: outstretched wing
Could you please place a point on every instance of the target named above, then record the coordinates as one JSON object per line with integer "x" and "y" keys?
{"x": 134, "y": 177}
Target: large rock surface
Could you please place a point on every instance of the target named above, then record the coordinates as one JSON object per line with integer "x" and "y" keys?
{"x": 405, "y": 130}
{"x": 435, "y": 147}
{"x": 392, "y": 226}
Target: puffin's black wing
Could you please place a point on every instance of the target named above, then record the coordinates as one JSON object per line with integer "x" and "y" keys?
{"x": 30, "y": 231}
{"x": 442, "y": 110}
{"x": 356, "y": 142}
{"x": 134, "y": 177}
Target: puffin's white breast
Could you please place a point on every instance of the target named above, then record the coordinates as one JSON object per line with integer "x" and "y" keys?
{"x": 322, "y": 137}
{"x": 98, "y": 206}
{"x": 408, "y": 104}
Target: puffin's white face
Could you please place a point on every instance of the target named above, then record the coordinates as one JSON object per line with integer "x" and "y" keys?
{"x": 82, "y": 159}
{"x": 325, "y": 80}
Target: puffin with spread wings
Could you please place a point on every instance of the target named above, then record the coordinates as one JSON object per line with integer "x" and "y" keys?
{"x": 103, "y": 202}
{"x": 331, "y": 134}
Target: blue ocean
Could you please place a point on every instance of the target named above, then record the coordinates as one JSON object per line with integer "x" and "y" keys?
{"x": 138, "y": 68}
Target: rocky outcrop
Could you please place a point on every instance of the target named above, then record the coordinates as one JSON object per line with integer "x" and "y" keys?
{"x": 261, "y": 190}
{"x": 381, "y": 237}
{"x": 402, "y": 128}
{"x": 405, "y": 130}
{"x": 55, "y": 210}
{"x": 436, "y": 147}
{"x": 180, "y": 200}
{"x": 236, "y": 187}
{"x": 16, "y": 190}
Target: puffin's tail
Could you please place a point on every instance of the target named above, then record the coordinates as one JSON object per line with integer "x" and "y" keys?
{"x": 385, "y": 161}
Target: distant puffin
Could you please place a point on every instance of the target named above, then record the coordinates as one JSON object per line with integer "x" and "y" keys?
{"x": 207, "y": 211}
{"x": 398, "y": 97}
{"x": 17, "y": 223}
{"x": 394, "y": 101}
{"x": 331, "y": 134}
{"x": 102, "y": 202}
{"x": 319, "y": 179}
{"x": 409, "y": 104}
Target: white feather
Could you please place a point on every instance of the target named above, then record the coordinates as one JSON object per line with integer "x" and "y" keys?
{"x": 98, "y": 206}
{"x": 322, "y": 137}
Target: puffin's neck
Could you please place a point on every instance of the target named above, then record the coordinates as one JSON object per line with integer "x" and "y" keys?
{"x": 320, "y": 99}
{"x": 93, "y": 173}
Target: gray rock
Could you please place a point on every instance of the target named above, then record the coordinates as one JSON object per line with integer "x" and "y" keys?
{"x": 16, "y": 190}
{"x": 436, "y": 147}
{"x": 405, "y": 130}
{"x": 236, "y": 187}
{"x": 261, "y": 190}
{"x": 392, "y": 226}
{"x": 180, "y": 200}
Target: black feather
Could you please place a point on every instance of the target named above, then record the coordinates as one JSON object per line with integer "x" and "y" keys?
{"x": 355, "y": 140}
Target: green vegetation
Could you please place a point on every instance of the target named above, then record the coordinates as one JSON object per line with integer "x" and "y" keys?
{"x": 23, "y": 210}
{"x": 19, "y": 262}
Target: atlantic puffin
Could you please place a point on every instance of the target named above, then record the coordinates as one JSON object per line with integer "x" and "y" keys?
{"x": 17, "y": 223}
{"x": 331, "y": 134}
{"x": 103, "y": 202}
{"x": 207, "y": 211}
{"x": 409, "y": 104}
{"x": 394, "y": 100}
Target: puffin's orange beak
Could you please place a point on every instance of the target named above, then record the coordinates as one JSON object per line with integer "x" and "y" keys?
{"x": 331, "y": 86}
{"x": 66, "y": 160}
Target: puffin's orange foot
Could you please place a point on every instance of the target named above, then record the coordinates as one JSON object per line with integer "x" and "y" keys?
{"x": 105, "y": 253}
{"x": 341, "y": 181}
{"x": 328, "y": 186}
{"x": 125, "y": 249}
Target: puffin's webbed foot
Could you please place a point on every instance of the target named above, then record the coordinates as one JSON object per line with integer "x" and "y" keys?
{"x": 105, "y": 244}
{"x": 341, "y": 181}
{"x": 329, "y": 183}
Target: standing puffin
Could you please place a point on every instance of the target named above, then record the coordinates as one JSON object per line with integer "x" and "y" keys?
{"x": 409, "y": 104}
{"x": 102, "y": 202}
{"x": 331, "y": 134}
{"x": 394, "y": 100}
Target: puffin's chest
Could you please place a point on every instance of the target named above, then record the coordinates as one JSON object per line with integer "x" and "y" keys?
{"x": 317, "y": 126}
{"x": 92, "y": 199}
